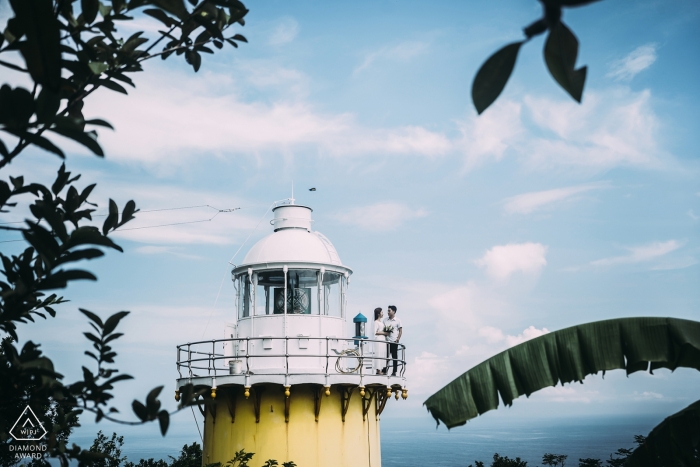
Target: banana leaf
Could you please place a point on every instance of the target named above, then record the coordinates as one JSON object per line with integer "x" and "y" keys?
{"x": 571, "y": 354}
{"x": 673, "y": 442}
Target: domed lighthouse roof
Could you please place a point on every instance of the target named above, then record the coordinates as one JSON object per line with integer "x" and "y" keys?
{"x": 293, "y": 241}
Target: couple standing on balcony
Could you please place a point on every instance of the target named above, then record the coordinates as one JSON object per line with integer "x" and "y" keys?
{"x": 390, "y": 329}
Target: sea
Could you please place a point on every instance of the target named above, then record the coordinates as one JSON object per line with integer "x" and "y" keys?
{"x": 417, "y": 442}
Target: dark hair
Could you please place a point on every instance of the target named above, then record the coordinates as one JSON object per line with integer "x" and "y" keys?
{"x": 392, "y": 307}
{"x": 377, "y": 311}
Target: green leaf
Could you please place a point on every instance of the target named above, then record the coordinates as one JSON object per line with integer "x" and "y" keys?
{"x": 105, "y": 10}
{"x": 109, "y": 84}
{"x": 88, "y": 235}
{"x": 90, "y": 9}
{"x": 564, "y": 356}
{"x": 3, "y": 149}
{"x": 42, "y": 49}
{"x": 194, "y": 59}
{"x": 128, "y": 212}
{"x": 161, "y": 16}
{"x": 152, "y": 402}
{"x": 560, "y": 52}
{"x": 119, "y": 378}
{"x": 87, "y": 139}
{"x": 140, "y": 410}
{"x": 493, "y": 76}
{"x": 99, "y": 122}
{"x": 112, "y": 218}
{"x": 164, "y": 421}
{"x": 88, "y": 253}
{"x": 239, "y": 37}
{"x": 209, "y": 26}
{"x": 60, "y": 279}
{"x": 113, "y": 321}
{"x": 98, "y": 67}
{"x": 47, "y": 105}
{"x": 16, "y": 107}
{"x": 92, "y": 317}
{"x": 175, "y": 7}
{"x": 675, "y": 441}
{"x": 134, "y": 41}
{"x": 112, "y": 337}
{"x": 92, "y": 337}
{"x": 39, "y": 141}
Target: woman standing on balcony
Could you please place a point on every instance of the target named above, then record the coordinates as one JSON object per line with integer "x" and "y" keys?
{"x": 380, "y": 362}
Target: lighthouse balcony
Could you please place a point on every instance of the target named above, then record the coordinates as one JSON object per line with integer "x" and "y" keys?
{"x": 289, "y": 361}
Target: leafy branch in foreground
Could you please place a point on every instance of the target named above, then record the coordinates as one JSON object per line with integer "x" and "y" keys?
{"x": 560, "y": 53}
{"x": 57, "y": 238}
{"x": 571, "y": 354}
{"x": 70, "y": 54}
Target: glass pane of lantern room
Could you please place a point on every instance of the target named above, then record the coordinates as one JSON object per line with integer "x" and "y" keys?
{"x": 331, "y": 293}
{"x": 268, "y": 282}
{"x": 302, "y": 292}
{"x": 244, "y": 295}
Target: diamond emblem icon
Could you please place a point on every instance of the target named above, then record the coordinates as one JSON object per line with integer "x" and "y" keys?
{"x": 28, "y": 427}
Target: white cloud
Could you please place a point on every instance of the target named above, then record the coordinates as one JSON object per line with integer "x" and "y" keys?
{"x": 568, "y": 394}
{"x": 495, "y": 335}
{"x": 646, "y": 396}
{"x": 638, "y": 60}
{"x": 692, "y": 215}
{"x": 164, "y": 250}
{"x": 190, "y": 222}
{"x": 611, "y": 128}
{"x": 402, "y": 52}
{"x": 188, "y": 116}
{"x": 285, "y": 32}
{"x": 502, "y": 261}
{"x": 526, "y": 203}
{"x": 491, "y": 134}
{"x": 380, "y": 216}
{"x": 640, "y": 254}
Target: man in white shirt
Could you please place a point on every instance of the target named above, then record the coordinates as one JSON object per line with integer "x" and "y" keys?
{"x": 394, "y": 336}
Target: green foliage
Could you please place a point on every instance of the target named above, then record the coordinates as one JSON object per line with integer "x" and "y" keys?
{"x": 69, "y": 53}
{"x": 560, "y": 53}
{"x": 110, "y": 450}
{"x": 70, "y": 49}
{"x": 635, "y": 344}
{"x": 190, "y": 456}
{"x": 150, "y": 463}
{"x": 589, "y": 462}
{"x": 675, "y": 441}
{"x": 554, "y": 459}
{"x": 499, "y": 461}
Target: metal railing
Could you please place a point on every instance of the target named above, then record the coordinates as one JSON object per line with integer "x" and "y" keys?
{"x": 209, "y": 358}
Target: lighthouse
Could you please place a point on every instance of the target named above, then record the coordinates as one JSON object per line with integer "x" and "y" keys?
{"x": 297, "y": 376}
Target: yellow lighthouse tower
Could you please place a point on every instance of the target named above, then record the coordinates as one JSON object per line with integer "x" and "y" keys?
{"x": 290, "y": 381}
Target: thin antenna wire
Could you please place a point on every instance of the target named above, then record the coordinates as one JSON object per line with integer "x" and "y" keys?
{"x": 195, "y": 420}
{"x": 229, "y": 262}
{"x": 219, "y": 211}
{"x": 140, "y": 211}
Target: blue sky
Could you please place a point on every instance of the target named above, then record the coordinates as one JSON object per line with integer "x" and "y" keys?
{"x": 484, "y": 231}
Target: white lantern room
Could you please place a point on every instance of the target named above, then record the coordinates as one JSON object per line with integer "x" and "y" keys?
{"x": 290, "y": 292}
